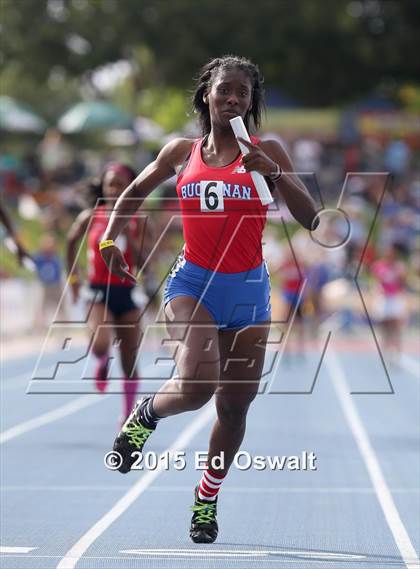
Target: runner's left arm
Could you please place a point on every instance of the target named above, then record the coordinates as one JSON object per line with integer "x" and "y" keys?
{"x": 263, "y": 158}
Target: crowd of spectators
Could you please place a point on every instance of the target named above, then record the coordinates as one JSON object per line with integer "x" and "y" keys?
{"x": 376, "y": 183}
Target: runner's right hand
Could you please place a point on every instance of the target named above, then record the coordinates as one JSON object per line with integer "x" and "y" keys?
{"x": 116, "y": 263}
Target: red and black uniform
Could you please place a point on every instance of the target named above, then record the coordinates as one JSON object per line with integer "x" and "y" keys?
{"x": 108, "y": 288}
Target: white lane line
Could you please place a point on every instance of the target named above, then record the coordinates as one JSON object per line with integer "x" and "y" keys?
{"x": 50, "y": 417}
{"x": 5, "y": 549}
{"x": 330, "y": 555}
{"x": 7, "y": 379}
{"x": 18, "y": 382}
{"x": 71, "y": 558}
{"x": 85, "y": 386}
{"x": 193, "y": 553}
{"x": 275, "y": 559}
{"x": 401, "y": 537}
{"x": 410, "y": 364}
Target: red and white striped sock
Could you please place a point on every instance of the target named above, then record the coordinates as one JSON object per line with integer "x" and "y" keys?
{"x": 210, "y": 484}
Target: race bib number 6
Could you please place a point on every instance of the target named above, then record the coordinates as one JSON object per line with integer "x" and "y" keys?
{"x": 211, "y": 195}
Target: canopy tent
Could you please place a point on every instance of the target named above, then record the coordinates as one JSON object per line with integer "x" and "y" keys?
{"x": 94, "y": 115}
{"x": 148, "y": 130}
{"x": 16, "y": 117}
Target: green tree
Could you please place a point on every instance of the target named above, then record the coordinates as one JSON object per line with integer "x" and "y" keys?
{"x": 322, "y": 53}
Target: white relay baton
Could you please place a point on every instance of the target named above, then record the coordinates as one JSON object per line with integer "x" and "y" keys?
{"x": 239, "y": 129}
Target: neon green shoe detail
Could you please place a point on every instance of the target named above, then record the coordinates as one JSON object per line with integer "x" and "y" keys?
{"x": 137, "y": 434}
{"x": 205, "y": 513}
{"x": 204, "y": 528}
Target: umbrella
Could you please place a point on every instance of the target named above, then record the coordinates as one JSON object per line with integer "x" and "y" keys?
{"x": 148, "y": 130}
{"x": 16, "y": 117}
{"x": 121, "y": 137}
{"x": 93, "y": 115}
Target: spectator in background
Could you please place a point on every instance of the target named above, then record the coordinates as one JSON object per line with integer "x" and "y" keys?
{"x": 55, "y": 155}
{"x": 292, "y": 278}
{"x": 414, "y": 194}
{"x": 12, "y": 177}
{"x": 397, "y": 158}
{"x": 372, "y": 155}
{"x": 400, "y": 227}
{"x": 50, "y": 271}
{"x": 390, "y": 274}
{"x": 318, "y": 275}
{"x": 352, "y": 157}
{"x": 307, "y": 154}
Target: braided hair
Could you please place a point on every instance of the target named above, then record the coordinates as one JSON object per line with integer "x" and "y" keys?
{"x": 204, "y": 81}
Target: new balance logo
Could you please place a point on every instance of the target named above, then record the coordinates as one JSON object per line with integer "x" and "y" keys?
{"x": 180, "y": 263}
{"x": 239, "y": 170}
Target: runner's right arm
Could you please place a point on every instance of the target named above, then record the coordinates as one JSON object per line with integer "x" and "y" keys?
{"x": 76, "y": 232}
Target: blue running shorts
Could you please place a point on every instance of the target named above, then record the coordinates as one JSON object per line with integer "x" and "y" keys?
{"x": 235, "y": 300}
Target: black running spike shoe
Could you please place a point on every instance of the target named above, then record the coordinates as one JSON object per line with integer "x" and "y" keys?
{"x": 132, "y": 436}
{"x": 204, "y": 528}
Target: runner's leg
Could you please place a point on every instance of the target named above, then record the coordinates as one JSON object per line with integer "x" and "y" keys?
{"x": 197, "y": 357}
{"x": 102, "y": 331}
{"x": 127, "y": 331}
{"x": 242, "y": 358}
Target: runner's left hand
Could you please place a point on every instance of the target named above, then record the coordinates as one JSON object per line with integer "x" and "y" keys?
{"x": 257, "y": 160}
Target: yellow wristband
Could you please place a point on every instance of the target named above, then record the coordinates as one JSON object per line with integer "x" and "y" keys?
{"x": 105, "y": 244}
{"x": 73, "y": 279}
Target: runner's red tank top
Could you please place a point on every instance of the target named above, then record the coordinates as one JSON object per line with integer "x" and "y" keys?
{"x": 223, "y": 217}
{"x": 98, "y": 273}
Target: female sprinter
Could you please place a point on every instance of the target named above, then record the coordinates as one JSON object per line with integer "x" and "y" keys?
{"x": 111, "y": 308}
{"x": 217, "y": 298}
